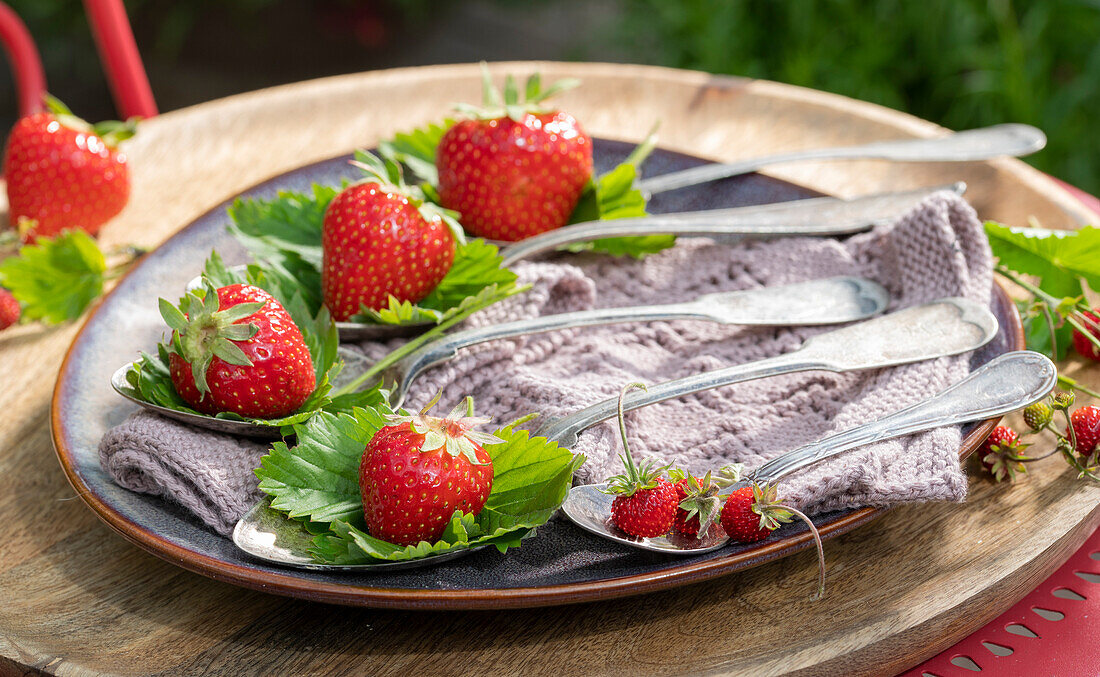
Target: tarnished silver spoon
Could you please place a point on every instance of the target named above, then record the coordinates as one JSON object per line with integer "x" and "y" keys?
{"x": 898, "y": 338}
{"x": 825, "y": 216}
{"x": 1005, "y": 384}
{"x": 973, "y": 144}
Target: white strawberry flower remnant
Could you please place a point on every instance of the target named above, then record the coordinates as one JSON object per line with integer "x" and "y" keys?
{"x": 455, "y": 431}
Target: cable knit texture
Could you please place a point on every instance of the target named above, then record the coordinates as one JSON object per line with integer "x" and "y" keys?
{"x": 936, "y": 250}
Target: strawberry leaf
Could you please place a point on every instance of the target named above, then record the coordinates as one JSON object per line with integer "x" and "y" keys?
{"x": 317, "y": 480}
{"x": 55, "y": 280}
{"x": 286, "y": 229}
{"x": 416, "y": 150}
{"x": 1059, "y": 258}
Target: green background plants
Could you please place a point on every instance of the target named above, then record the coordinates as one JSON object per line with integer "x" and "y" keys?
{"x": 961, "y": 63}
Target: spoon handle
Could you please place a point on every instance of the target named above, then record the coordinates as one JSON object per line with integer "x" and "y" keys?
{"x": 1007, "y": 383}
{"x": 827, "y": 301}
{"x": 973, "y": 144}
{"x": 819, "y": 216}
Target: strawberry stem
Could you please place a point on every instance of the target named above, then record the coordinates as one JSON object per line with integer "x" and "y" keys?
{"x": 1068, "y": 382}
{"x": 632, "y": 470}
{"x": 820, "y": 551}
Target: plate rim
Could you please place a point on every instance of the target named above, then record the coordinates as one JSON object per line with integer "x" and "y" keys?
{"x": 290, "y": 585}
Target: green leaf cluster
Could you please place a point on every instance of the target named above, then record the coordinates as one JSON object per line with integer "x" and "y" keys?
{"x": 316, "y": 481}
{"x": 55, "y": 279}
{"x": 1062, "y": 262}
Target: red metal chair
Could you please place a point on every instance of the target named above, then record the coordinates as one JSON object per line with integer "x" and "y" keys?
{"x": 117, "y": 50}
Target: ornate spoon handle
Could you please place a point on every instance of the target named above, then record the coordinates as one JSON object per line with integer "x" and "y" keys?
{"x": 1007, "y": 383}
{"x": 972, "y": 144}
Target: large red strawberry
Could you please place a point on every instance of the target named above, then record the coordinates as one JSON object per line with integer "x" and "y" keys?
{"x": 515, "y": 168}
{"x": 417, "y": 472}
{"x": 236, "y": 349}
{"x": 9, "y": 309}
{"x": 1082, "y": 344}
{"x": 381, "y": 239}
{"x": 64, "y": 173}
{"x": 1086, "y": 430}
{"x": 645, "y": 503}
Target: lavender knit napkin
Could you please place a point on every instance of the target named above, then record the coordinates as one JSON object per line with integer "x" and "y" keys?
{"x": 938, "y": 249}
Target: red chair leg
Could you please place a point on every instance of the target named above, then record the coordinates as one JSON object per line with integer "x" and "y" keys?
{"x": 120, "y": 57}
{"x": 30, "y": 78}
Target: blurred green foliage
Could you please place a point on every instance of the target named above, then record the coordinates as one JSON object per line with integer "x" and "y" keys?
{"x": 961, "y": 63}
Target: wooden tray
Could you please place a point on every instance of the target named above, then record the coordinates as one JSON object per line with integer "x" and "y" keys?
{"x": 78, "y": 599}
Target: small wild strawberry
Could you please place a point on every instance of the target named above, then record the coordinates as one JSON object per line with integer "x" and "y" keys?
{"x": 752, "y": 513}
{"x": 235, "y": 349}
{"x": 379, "y": 239}
{"x": 698, "y": 501}
{"x": 1002, "y": 454}
{"x": 515, "y": 168}
{"x": 645, "y": 504}
{"x": 1038, "y": 416}
{"x": 416, "y": 472}
{"x": 9, "y": 309}
{"x": 63, "y": 173}
{"x": 1081, "y": 342}
{"x": 1086, "y": 430}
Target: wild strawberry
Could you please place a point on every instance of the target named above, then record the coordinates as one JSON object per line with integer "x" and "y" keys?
{"x": 1086, "y": 430}
{"x": 381, "y": 239}
{"x": 752, "y": 513}
{"x": 645, "y": 504}
{"x": 235, "y": 349}
{"x": 418, "y": 471}
{"x": 698, "y": 499}
{"x": 1038, "y": 416}
{"x": 1002, "y": 454}
{"x": 63, "y": 173}
{"x": 9, "y": 309}
{"x": 515, "y": 168}
{"x": 1081, "y": 342}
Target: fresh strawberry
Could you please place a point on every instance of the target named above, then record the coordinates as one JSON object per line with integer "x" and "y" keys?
{"x": 698, "y": 501}
{"x": 418, "y": 471}
{"x": 645, "y": 503}
{"x": 1081, "y": 342}
{"x": 514, "y": 168}
{"x": 752, "y": 513}
{"x": 235, "y": 349}
{"x": 1002, "y": 454}
{"x": 1086, "y": 430}
{"x": 741, "y": 523}
{"x": 63, "y": 173}
{"x": 381, "y": 239}
{"x": 1038, "y": 416}
{"x": 9, "y": 309}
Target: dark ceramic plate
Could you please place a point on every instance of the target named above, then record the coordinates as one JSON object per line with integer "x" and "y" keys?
{"x": 562, "y": 564}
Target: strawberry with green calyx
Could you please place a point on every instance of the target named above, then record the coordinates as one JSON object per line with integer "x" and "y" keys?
{"x": 515, "y": 167}
{"x": 1085, "y": 424}
{"x": 645, "y": 503}
{"x": 698, "y": 500}
{"x": 381, "y": 239}
{"x": 1038, "y": 416}
{"x": 10, "y": 310}
{"x": 1002, "y": 454}
{"x": 416, "y": 472}
{"x": 752, "y": 513}
{"x": 236, "y": 349}
{"x": 65, "y": 173}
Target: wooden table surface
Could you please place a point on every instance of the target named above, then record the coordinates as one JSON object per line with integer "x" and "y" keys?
{"x": 75, "y": 598}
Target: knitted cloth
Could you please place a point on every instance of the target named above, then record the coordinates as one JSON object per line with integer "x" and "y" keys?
{"x": 936, "y": 250}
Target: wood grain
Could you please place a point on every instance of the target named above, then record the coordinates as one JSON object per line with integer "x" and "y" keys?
{"x": 78, "y": 599}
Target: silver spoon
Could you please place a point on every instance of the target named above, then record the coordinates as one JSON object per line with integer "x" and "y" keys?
{"x": 829, "y": 301}
{"x": 1005, "y": 384}
{"x": 961, "y": 325}
{"x": 970, "y": 145}
{"x": 822, "y": 216}
{"x": 945, "y": 327}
